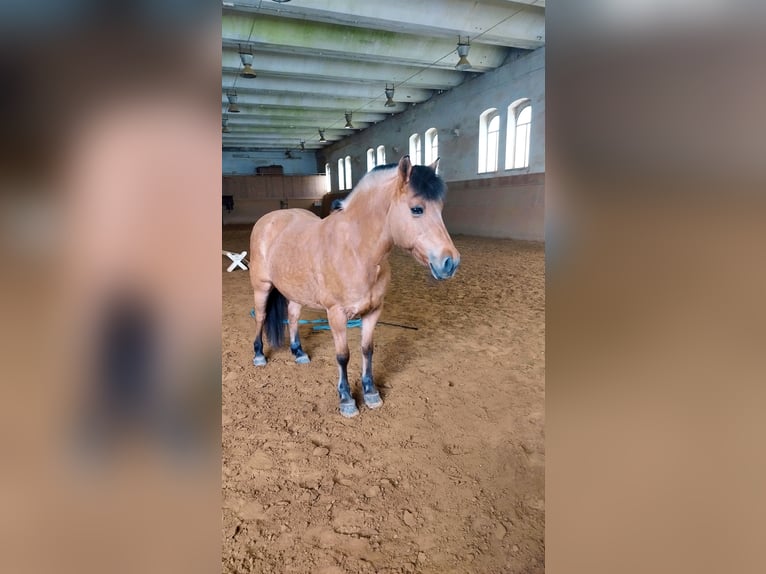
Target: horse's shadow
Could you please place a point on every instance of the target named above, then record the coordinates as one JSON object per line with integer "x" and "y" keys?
{"x": 393, "y": 358}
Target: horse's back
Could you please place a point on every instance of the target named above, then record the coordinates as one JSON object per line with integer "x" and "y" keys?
{"x": 274, "y": 223}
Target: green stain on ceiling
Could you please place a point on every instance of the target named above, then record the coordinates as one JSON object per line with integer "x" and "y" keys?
{"x": 315, "y": 35}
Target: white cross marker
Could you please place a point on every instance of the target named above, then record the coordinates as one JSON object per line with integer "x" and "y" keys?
{"x": 236, "y": 260}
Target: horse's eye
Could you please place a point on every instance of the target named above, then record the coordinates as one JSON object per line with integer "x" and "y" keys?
{"x": 416, "y": 210}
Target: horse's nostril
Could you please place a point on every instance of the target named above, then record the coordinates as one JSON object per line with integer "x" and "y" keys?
{"x": 447, "y": 264}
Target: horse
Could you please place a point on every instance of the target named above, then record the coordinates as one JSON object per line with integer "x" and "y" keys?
{"x": 340, "y": 263}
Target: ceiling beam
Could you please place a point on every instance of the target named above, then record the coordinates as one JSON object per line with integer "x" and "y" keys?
{"x": 330, "y": 40}
{"x": 247, "y": 103}
{"x": 275, "y": 143}
{"x": 265, "y": 84}
{"x": 281, "y": 116}
{"x": 510, "y": 24}
{"x": 310, "y": 67}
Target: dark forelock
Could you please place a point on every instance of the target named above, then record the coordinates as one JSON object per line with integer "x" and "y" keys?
{"x": 426, "y": 184}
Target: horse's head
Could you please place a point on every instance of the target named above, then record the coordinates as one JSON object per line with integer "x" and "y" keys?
{"x": 415, "y": 218}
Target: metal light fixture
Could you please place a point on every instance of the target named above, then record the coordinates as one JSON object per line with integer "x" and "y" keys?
{"x": 322, "y": 139}
{"x": 348, "y": 125}
{"x": 233, "y": 107}
{"x": 462, "y": 51}
{"x": 225, "y": 125}
{"x": 288, "y": 155}
{"x": 247, "y": 62}
{"x": 389, "y": 96}
{"x": 303, "y": 145}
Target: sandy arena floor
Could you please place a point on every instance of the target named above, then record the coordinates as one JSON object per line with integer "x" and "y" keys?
{"x": 447, "y": 477}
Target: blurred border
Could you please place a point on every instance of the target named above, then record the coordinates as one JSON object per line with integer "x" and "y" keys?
{"x": 110, "y": 170}
{"x": 655, "y": 318}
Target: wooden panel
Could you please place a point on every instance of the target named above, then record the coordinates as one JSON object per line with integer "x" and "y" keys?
{"x": 288, "y": 183}
{"x": 273, "y": 186}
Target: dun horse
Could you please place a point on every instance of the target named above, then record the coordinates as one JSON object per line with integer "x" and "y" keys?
{"x": 340, "y": 263}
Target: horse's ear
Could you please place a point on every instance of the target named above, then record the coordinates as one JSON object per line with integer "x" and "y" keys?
{"x": 405, "y": 168}
{"x": 435, "y": 164}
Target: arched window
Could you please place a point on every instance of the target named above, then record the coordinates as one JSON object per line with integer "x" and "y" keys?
{"x": 327, "y": 178}
{"x": 432, "y": 145}
{"x": 489, "y": 132}
{"x": 415, "y": 149}
{"x": 381, "y": 155}
{"x": 519, "y": 130}
{"x": 349, "y": 185}
{"x": 341, "y": 172}
{"x": 370, "y": 159}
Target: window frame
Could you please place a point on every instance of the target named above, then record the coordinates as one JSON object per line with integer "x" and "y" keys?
{"x": 347, "y": 167}
{"x": 432, "y": 145}
{"x": 380, "y": 155}
{"x": 341, "y": 175}
{"x": 415, "y": 149}
{"x": 485, "y": 118}
{"x": 512, "y": 137}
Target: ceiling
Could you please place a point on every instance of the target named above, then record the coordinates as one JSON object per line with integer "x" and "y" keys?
{"x": 315, "y": 60}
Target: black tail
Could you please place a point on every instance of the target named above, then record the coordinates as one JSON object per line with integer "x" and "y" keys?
{"x": 276, "y": 315}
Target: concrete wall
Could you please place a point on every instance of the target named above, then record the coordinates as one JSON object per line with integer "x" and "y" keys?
{"x": 503, "y": 206}
{"x": 509, "y": 206}
{"x": 304, "y": 163}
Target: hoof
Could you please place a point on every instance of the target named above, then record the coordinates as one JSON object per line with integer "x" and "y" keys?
{"x": 302, "y": 360}
{"x": 348, "y": 409}
{"x": 373, "y": 400}
{"x": 259, "y": 361}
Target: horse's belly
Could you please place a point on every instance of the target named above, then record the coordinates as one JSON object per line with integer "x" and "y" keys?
{"x": 290, "y": 252}
{"x": 297, "y": 285}
{"x": 306, "y": 297}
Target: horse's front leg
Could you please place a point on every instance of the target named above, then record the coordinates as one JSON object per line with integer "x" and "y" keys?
{"x": 337, "y": 319}
{"x": 371, "y": 396}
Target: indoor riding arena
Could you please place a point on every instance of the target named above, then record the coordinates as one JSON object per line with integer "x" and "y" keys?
{"x": 448, "y": 475}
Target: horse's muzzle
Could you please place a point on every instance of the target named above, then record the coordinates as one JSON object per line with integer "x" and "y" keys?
{"x": 445, "y": 268}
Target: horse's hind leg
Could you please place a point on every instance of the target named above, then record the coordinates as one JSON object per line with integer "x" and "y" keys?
{"x": 260, "y": 296}
{"x": 293, "y": 314}
{"x": 337, "y": 318}
{"x": 371, "y": 396}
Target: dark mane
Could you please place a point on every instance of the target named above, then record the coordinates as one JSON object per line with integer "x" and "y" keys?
{"x": 426, "y": 184}
{"x": 382, "y": 167}
{"x": 423, "y": 181}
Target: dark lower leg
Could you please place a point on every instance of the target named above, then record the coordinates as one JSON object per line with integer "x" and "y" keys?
{"x": 370, "y": 393}
{"x": 337, "y": 319}
{"x": 293, "y": 314}
{"x": 295, "y": 347}
{"x": 347, "y": 404}
{"x": 260, "y": 296}
{"x": 259, "y": 358}
{"x": 367, "y": 385}
{"x": 344, "y": 390}
{"x": 300, "y": 355}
